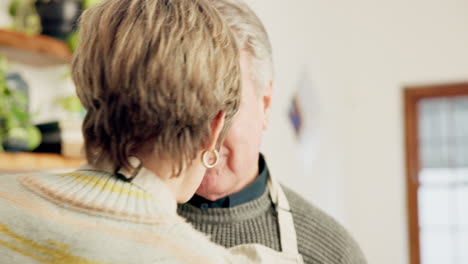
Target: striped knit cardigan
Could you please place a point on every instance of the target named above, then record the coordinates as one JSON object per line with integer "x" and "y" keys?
{"x": 89, "y": 217}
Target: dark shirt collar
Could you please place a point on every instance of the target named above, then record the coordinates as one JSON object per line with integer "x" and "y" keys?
{"x": 253, "y": 191}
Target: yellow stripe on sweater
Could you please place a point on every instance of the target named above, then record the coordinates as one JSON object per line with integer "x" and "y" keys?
{"x": 172, "y": 244}
{"x": 57, "y": 254}
{"x": 105, "y": 185}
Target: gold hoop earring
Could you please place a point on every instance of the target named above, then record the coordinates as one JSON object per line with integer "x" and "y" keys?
{"x": 205, "y": 161}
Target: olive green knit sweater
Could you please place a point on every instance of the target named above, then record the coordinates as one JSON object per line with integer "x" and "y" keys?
{"x": 321, "y": 240}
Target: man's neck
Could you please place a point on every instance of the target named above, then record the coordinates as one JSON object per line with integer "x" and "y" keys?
{"x": 246, "y": 182}
{"x": 250, "y": 188}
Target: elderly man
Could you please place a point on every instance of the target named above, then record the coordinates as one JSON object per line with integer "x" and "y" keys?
{"x": 237, "y": 202}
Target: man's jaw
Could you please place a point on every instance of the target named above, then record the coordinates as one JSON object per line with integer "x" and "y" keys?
{"x": 208, "y": 188}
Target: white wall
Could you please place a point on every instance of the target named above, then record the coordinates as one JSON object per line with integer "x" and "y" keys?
{"x": 289, "y": 28}
{"x": 360, "y": 55}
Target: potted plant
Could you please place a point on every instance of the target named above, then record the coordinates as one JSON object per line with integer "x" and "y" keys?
{"x": 17, "y": 133}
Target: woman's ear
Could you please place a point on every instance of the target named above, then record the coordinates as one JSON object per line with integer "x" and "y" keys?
{"x": 217, "y": 125}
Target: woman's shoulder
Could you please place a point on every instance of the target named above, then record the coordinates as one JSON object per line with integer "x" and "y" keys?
{"x": 17, "y": 201}
{"x": 12, "y": 191}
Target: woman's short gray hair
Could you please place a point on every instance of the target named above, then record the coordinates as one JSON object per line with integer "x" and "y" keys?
{"x": 251, "y": 37}
{"x": 152, "y": 75}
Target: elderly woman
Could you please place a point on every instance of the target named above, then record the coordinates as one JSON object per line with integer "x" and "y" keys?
{"x": 160, "y": 82}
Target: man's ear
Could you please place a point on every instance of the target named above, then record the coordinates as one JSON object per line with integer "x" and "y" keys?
{"x": 217, "y": 125}
{"x": 267, "y": 100}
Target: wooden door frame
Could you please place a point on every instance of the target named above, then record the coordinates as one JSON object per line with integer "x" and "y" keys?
{"x": 411, "y": 96}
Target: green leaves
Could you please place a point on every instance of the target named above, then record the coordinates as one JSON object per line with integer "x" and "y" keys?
{"x": 89, "y": 3}
{"x": 30, "y": 134}
{"x": 70, "y": 104}
{"x": 13, "y": 8}
{"x": 72, "y": 40}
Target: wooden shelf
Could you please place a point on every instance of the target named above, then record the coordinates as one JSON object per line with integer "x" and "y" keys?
{"x": 36, "y": 50}
{"x": 23, "y": 162}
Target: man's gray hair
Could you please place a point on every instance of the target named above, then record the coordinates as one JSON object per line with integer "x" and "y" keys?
{"x": 251, "y": 37}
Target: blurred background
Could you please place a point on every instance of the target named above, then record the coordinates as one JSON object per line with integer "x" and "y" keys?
{"x": 370, "y": 115}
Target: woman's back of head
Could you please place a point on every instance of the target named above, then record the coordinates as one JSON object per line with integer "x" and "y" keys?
{"x": 152, "y": 75}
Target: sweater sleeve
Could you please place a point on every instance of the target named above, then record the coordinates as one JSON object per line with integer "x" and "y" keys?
{"x": 321, "y": 239}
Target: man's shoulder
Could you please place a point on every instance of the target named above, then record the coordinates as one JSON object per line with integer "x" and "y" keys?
{"x": 321, "y": 238}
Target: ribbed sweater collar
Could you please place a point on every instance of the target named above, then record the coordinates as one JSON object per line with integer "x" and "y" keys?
{"x": 99, "y": 192}
{"x": 239, "y": 213}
